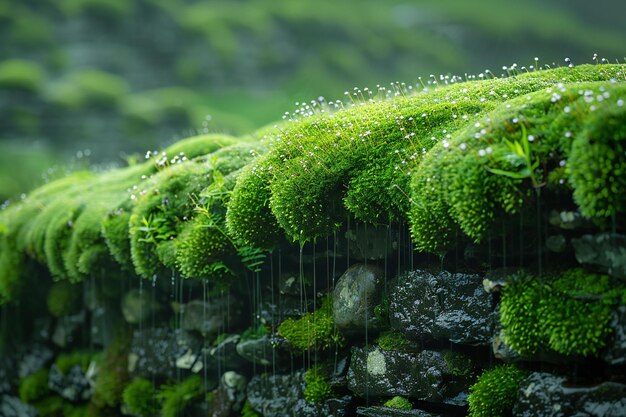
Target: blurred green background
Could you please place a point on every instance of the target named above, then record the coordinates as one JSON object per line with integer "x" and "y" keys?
{"x": 86, "y": 82}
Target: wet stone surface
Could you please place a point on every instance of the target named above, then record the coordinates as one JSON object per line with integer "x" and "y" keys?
{"x": 543, "y": 394}
{"x": 35, "y": 358}
{"x": 259, "y": 351}
{"x": 217, "y": 314}
{"x": 423, "y": 376}
{"x": 616, "y": 349}
{"x": 73, "y": 387}
{"x": 7, "y": 375}
{"x": 356, "y": 294}
{"x": 392, "y": 412}
{"x": 607, "y": 250}
{"x": 230, "y": 395}
{"x": 162, "y": 351}
{"x": 13, "y": 407}
{"x": 446, "y": 306}
{"x": 282, "y": 396}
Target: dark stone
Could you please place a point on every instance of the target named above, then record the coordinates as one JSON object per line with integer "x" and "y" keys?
{"x": 356, "y": 294}
{"x": 392, "y": 412}
{"x": 225, "y": 354}
{"x": 370, "y": 242}
{"x": 230, "y": 395}
{"x": 424, "y": 376}
{"x": 7, "y": 374}
{"x": 289, "y": 284}
{"x": 67, "y": 329}
{"x": 285, "y": 306}
{"x": 34, "y": 359}
{"x": 446, "y": 306}
{"x": 615, "y": 353}
{"x": 543, "y": 394}
{"x": 13, "y": 407}
{"x": 568, "y": 220}
{"x": 607, "y": 250}
{"x": 282, "y": 396}
{"x": 217, "y": 314}
{"x": 340, "y": 407}
{"x": 556, "y": 243}
{"x": 104, "y": 321}
{"x": 73, "y": 387}
{"x": 138, "y": 306}
{"x": 258, "y": 351}
{"x": 161, "y": 352}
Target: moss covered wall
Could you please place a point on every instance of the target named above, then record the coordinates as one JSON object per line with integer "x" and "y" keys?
{"x": 388, "y": 252}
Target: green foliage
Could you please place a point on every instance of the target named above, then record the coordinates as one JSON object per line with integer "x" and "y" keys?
{"x": 317, "y": 387}
{"x": 66, "y": 361}
{"x": 34, "y": 387}
{"x": 64, "y": 299}
{"x": 596, "y": 167}
{"x": 314, "y": 330}
{"x": 569, "y": 314}
{"x": 254, "y": 332}
{"x": 20, "y": 74}
{"x": 459, "y": 364}
{"x": 139, "y": 397}
{"x": 87, "y": 88}
{"x": 391, "y": 340}
{"x": 248, "y": 411}
{"x": 113, "y": 375}
{"x": 399, "y": 403}
{"x": 495, "y": 391}
{"x": 177, "y": 398}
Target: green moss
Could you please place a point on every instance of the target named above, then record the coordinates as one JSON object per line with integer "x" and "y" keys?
{"x": 569, "y": 314}
{"x": 596, "y": 167}
{"x": 112, "y": 9}
{"x": 87, "y": 88}
{"x": 21, "y": 75}
{"x": 316, "y": 385}
{"x": 399, "y": 403}
{"x": 177, "y": 398}
{"x": 139, "y": 397}
{"x": 391, "y": 340}
{"x": 459, "y": 364}
{"x": 495, "y": 391}
{"x": 313, "y": 330}
{"x": 66, "y": 361}
{"x": 253, "y": 332}
{"x": 113, "y": 375}
{"x": 34, "y": 387}
{"x": 64, "y": 299}
{"x": 117, "y": 237}
{"x": 248, "y": 411}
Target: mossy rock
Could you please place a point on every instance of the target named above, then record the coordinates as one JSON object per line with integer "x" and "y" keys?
{"x": 495, "y": 391}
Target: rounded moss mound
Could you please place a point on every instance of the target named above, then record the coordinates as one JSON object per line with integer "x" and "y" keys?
{"x": 20, "y": 75}
{"x": 139, "y": 398}
{"x": 64, "y": 299}
{"x": 495, "y": 391}
{"x": 569, "y": 314}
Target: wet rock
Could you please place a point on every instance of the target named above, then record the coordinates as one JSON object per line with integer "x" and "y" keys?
{"x": 282, "y": 396}
{"x": 370, "y": 242}
{"x": 424, "y": 376}
{"x": 543, "y": 394}
{"x": 217, "y": 314}
{"x": 162, "y": 352}
{"x": 34, "y": 359}
{"x": 615, "y": 353}
{"x": 391, "y": 412}
{"x": 556, "y": 243}
{"x": 289, "y": 284}
{"x": 356, "y": 294}
{"x": 607, "y": 250}
{"x": 447, "y": 306}
{"x": 497, "y": 278}
{"x": 340, "y": 407}
{"x": 500, "y": 349}
{"x": 230, "y": 395}
{"x": 272, "y": 313}
{"x": 13, "y": 407}
{"x": 138, "y": 306}
{"x": 567, "y": 220}
{"x": 67, "y": 329}
{"x": 74, "y": 386}
{"x": 104, "y": 321}
{"x": 7, "y": 375}
{"x": 258, "y": 351}
{"x": 225, "y": 353}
